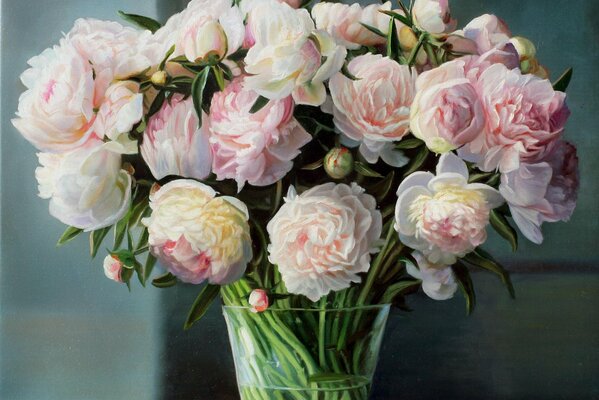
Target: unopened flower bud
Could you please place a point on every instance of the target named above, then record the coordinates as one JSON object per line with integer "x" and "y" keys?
{"x": 258, "y": 300}
{"x": 525, "y": 48}
{"x": 338, "y": 163}
{"x": 159, "y": 78}
{"x": 113, "y": 268}
{"x": 407, "y": 38}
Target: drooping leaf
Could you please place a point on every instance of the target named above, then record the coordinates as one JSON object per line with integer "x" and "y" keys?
{"x": 238, "y": 55}
{"x": 260, "y": 102}
{"x": 407, "y": 144}
{"x": 139, "y": 210}
{"x": 201, "y": 304}
{"x": 157, "y": 103}
{"x": 480, "y": 176}
{"x": 165, "y": 281}
{"x": 481, "y": 259}
{"x": 500, "y": 223}
{"x": 95, "y": 240}
{"x": 562, "y": 83}
{"x": 465, "y": 283}
{"x": 402, "y": 18}
{"x": 374, "y": 30}
{"x": 398, "y": 288}
{"x": 313, "y": 166}
{"x": 69, "y": 234}
{"x": 417, "y": 162}
{"x": 149, "y": 266}
{"x": 345, "y": 71}
{"x": 365, "y": 170}
{"x": 142, "y": 22}
{"x": 381, "y": 189}
{"x": 197, "y": 92}
{"x": 119, "y": 230}
{"x": 166, "y": 56}
{"x": 219, "y": 76}
{"x": 393, "y": 46}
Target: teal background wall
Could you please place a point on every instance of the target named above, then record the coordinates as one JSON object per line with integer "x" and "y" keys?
{"x": 66, "y": 332}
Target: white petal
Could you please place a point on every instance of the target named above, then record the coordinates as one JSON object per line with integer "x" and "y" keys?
{"x": 449, "y": 162}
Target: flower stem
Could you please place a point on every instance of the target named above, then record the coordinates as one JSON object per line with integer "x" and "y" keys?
{"x": 322, "y": 324}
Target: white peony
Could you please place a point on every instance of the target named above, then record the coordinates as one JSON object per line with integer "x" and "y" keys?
{"x": 443, "y": 216}
{"x": 438, "y": 280}
{"x": 87, "y": 187}
{"x": 198, "y": 236}
{"x": 322, "y": 239}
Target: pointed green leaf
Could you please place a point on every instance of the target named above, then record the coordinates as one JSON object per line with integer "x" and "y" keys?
{"x": 95, "y": 240}
{"x": 374, "y": 30}
{"x": 197, "y": 92}
{"x": 465, "y": 283}
{"x": 166, "y": 56}
{"x": 69, "y": 234}
{"x": 347, "y": 74}
{"x": 417, "y": 162}
{"x": 562, "y": 83}
{"x": 381, "y": 189}
{"x": 165, "y": 281}
{"x": 365, "y": 170}
{"x": 407, "y": 144}
{"x": 201, "y": 304}
{"x": 157, "y": 103}
{"x": 119, "y": 230}
{"x": 393, "y": 46}
{"x": 142, "y": 244}
{"x": 484, "y": 260}
{"x": 149, "y": 266}
{"x": 500, "y": 223}
{"x": 480, "y": 176}
{"x": 313, "y": 166}
{"x": 398, "y": 288}
{"x": 260, "y": 102}
{"x": 140, "y": 21}
{"x": 402, "y": 18}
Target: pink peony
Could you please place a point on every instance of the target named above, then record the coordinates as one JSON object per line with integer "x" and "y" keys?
{"x": 443, "y": 216}
{"x": 174, "y": 145}
{"x": 258, "y": 300}
{"x": 433, "y": 16}
{"x": 488, "y": 32}
{"x": 543, "y": 192}
{"x": 322, "y": 239}
{"x": 113, "y": 268}
{"x": 256, "y": 148}
{"x": 375, "y": 109}
{"x": 198, "y": 236}
{"x": 524, "y": 115}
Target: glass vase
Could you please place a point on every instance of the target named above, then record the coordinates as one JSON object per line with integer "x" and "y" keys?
{"x": 311, "y": 354}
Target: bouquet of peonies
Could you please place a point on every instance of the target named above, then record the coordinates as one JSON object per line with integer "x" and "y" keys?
{"x": 309, "y": 163}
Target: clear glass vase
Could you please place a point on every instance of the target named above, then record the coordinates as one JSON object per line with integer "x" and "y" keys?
{"x": 311, "y": 354}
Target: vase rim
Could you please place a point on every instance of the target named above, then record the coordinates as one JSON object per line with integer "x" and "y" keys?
{"x": 328, "y": 309}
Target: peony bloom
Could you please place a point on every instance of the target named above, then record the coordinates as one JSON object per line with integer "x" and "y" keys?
{"x": 289, "y": 56}
{"x": 433, "y": 16}
{"x": 542, "y": 192}
{"x": 113, "y": 268}
{"x": 322, "y": 239}
{"x": 57, "y": 110}
{"x": 524, "y": 115}
{"x": 121, "y": 109}
{"x": 87, "y": 187}
{"x": 198, "y": 236}
{"x": 174, "y": 145}
{"x": 258, "y": 300}
{"x": 342, "y": 22}
{"x": 443, "y": 216}
{"x": 375, "y": 109}
{"x": 438, "y": 280}
{"x": 447, "y": 112}
{"x": 488, "y": 32}
{"x": 256, "y": 148}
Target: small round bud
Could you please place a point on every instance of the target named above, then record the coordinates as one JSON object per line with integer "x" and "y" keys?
{"x": 525, "y": 48}
{"x": 113, "y": 268}
{"x": 258, "y": 300}
{"x": 159, "y": 78}
{"x": 339, "y": 163}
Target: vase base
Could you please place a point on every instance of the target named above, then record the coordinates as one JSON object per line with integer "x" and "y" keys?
{"x": 342, "y": 392}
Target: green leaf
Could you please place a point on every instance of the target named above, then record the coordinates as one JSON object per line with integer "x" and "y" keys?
{"x": 347, "y": 74}
{"x": 201, "y": 304}
{"x": 157, "y": 103}
{"x": 398, "y": 288}
{"x": 480, "y": 176}
{"x": 562, "y": 83}
{"x": 166, "y": 56}
{"x": 374, "y": 30}
{"x": 220, "y": 78}
{"x": 260, "y": 102}
{"x": 417, "y": 161}
{"x": 416, "y": 49}
{"x": 381, "y": 189}
{"x": 141, "y": 21}
{"x": 403, "y": 19}
{"x": 313, "y": 166}
{"x": 138, "y": 211}
{"x": 238, "y": 55}
{"x": 500, "y": 223}
{"x": 393, "y": 46}
{"x": 407, "y": 144}
{"x": 465, "y": 283}
{"x": 69, "y": 234}
{"x": 126, "y": 275}
{"x": 142, "y": 244}
{"x": 95, "y": 240}
{"x": 119, "y": 230}
{"x": 149, "y": 266}
{"x": 165, "y": 281}
{"x": 197, "y": 92}
{"x": 365, "y": 170}
{"x": 483, "y": 260}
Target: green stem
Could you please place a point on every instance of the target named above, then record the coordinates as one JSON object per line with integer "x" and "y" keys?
{"x": 416, "y": 49}
{"x": 322, "y": 324}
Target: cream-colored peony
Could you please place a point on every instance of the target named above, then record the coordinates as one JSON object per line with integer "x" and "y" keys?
{"x": 433, "y": 16}
{"x": 121, "y": 109}
{"x": 438, "y": 280}
{"x": 322, "y": 239}
{"x": 289, "y": 56}
{"x": 343, "y": 22}
{"x": 198, "y": 236}
{"x": 375, "y": 109}
{"x": 87, "y": 187}
{"x": 174, "y": 145}
{"x": 443, "y": 216}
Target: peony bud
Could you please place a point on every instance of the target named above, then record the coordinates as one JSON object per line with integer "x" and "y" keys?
{"x": 206, "y": 40}
{"x": 525, "y": 48}
{"x": 113, "y": 268}
{"x": 258, "y": 300}
{"x": 338, "y": 163}
{"x": 407, "y": 38}
{"x": 159, "y": 78}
